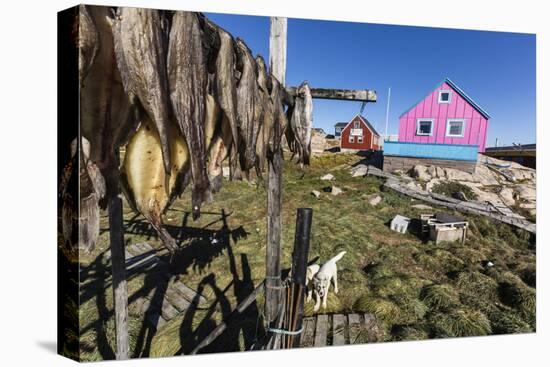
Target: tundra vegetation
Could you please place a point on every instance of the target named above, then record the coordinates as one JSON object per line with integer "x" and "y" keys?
{"x": 416, "y": 289}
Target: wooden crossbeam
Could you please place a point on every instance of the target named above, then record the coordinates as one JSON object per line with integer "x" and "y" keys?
{"x": 361, "y": 95}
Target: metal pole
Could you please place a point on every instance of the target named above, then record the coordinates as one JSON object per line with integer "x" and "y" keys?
{"x": 299, "y": 268}
{"x": 387, "y": 114}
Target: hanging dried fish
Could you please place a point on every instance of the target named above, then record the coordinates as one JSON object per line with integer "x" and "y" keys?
{"x": 88, "y": 41}
{"x": 83, "y": 182}
{"x": 301, "y": 122}
{"x": 188, "y": 80}
{"x": 225, "y": 92}
{"x": 265, "y": 87}
{"x": 218, "y": 151}
{"x": 280, "y": 121}
{"x": 141, "y": 55}
{"x": 105, "y": 119}
{"x": 147, "y": 187}
{"x": 247, "y": 110}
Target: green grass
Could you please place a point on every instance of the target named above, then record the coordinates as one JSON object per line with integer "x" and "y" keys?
{"x": 441, "y": 297}
{"x": 416, "y": 289}
{"x": 460, "y": 322}
{"x": 450, "y": 188}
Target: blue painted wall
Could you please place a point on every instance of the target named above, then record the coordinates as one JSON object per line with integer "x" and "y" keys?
{"x": 434, "y": 151}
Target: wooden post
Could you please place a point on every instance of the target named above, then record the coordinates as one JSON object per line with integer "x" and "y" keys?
{"x": 273, "y": 294}
{"x": 118, "y": 267}
{"x": 277, "y": 48}
{"x": 299, "y": 268}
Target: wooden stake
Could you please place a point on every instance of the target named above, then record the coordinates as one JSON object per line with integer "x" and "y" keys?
{"x": 273, "y": 294}
{"x": 299, "y": 267}
{"x": 120, "y": 292}
{"x": 223, "y": 325}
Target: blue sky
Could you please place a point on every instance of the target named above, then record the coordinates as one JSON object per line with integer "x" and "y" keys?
{"x": 496, "y": 69}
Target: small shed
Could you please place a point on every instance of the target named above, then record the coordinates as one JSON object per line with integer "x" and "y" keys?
{"x": 443, "y": 227}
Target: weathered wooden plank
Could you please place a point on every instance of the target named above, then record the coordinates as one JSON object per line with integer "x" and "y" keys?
{"x": 308, "y": 332}
{"x": 338, "y": 328}
{"x": 141, "y": 248}
{"x": 145, "y": 246}
{"x": 371, "y": 328}
{"x": 141, "y": 261}
{"x": 134, "y": 250}
{"x": 354, "y": 322}
{"x": 321, "y": 331}
{"x": 223, "y": 325}
{"x": 188, "y": 293}
{"x": 176, "y": 299}
{"x": 362, "y": 95}
{"x": 155, "y": 319}
{"x": 167, "y": 310}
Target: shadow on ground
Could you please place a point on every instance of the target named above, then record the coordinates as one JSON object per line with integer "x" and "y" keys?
{"x": 198, "y": 248}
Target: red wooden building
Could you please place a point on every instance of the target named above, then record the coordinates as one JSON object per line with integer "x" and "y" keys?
{"x": 359, "y": 134}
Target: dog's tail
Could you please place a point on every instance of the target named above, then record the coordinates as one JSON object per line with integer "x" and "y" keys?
{"x": 339, "y": 256}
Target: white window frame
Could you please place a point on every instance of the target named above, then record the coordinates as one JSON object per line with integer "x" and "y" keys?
{"x": 356, "y": 124}
{"x": 448, "y": 128}
{"x": 439, "y": 100}
{"x": 351, "y": 139}
{"x": 418, "y": 127}
{"x": 360, "y": 139}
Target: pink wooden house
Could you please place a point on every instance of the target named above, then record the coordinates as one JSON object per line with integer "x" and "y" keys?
{"x": 445, "y": 116}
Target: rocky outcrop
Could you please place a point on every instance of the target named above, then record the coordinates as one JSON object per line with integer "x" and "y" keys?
{"x": 318, "y": 142}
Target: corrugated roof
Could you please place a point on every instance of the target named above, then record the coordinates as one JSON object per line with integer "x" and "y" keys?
{"x": 457, "y": 89}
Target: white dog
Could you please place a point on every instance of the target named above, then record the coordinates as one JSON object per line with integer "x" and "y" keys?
{"x": 321, "y": 280}
{"x": 310, "y": 272}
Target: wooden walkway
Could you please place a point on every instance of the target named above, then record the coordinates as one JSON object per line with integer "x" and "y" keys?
{"x": 338, "y": 329}
{"x": 143, "y": 258}
{"x": 497, "y": 211}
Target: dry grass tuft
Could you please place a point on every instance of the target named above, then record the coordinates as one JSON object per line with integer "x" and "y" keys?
{"x": 382, "y": 308}
{"x": 460, "y": 322}
{"x": 440, "y": 296}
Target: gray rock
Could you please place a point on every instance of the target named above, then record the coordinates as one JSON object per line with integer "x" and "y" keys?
{"x": 457, "y": 175}
{"x": 526, "y": 193}
{"x": 528, "y": 205}
{"x": 316, "y": 193}
{"x": 422, "y": 207}
{"x": 359, "y": 170}
{"x": 374, "y": 201}
{"x": 440, "y": 172}
{"x": 328, "y": 177}
{"x": 507, "y": 196}
{"x": 336, "y": 191}
{"x": 421, "y": 172}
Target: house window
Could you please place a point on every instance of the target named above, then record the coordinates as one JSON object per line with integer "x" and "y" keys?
{"x": 356, "y": 125}
{"x": 444, "y": 96}
{"x": 351, "y": 139}
{"x": 455, "y": 128}
{"x": 424, "y": 127}
{"x": 359, "y": 139}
